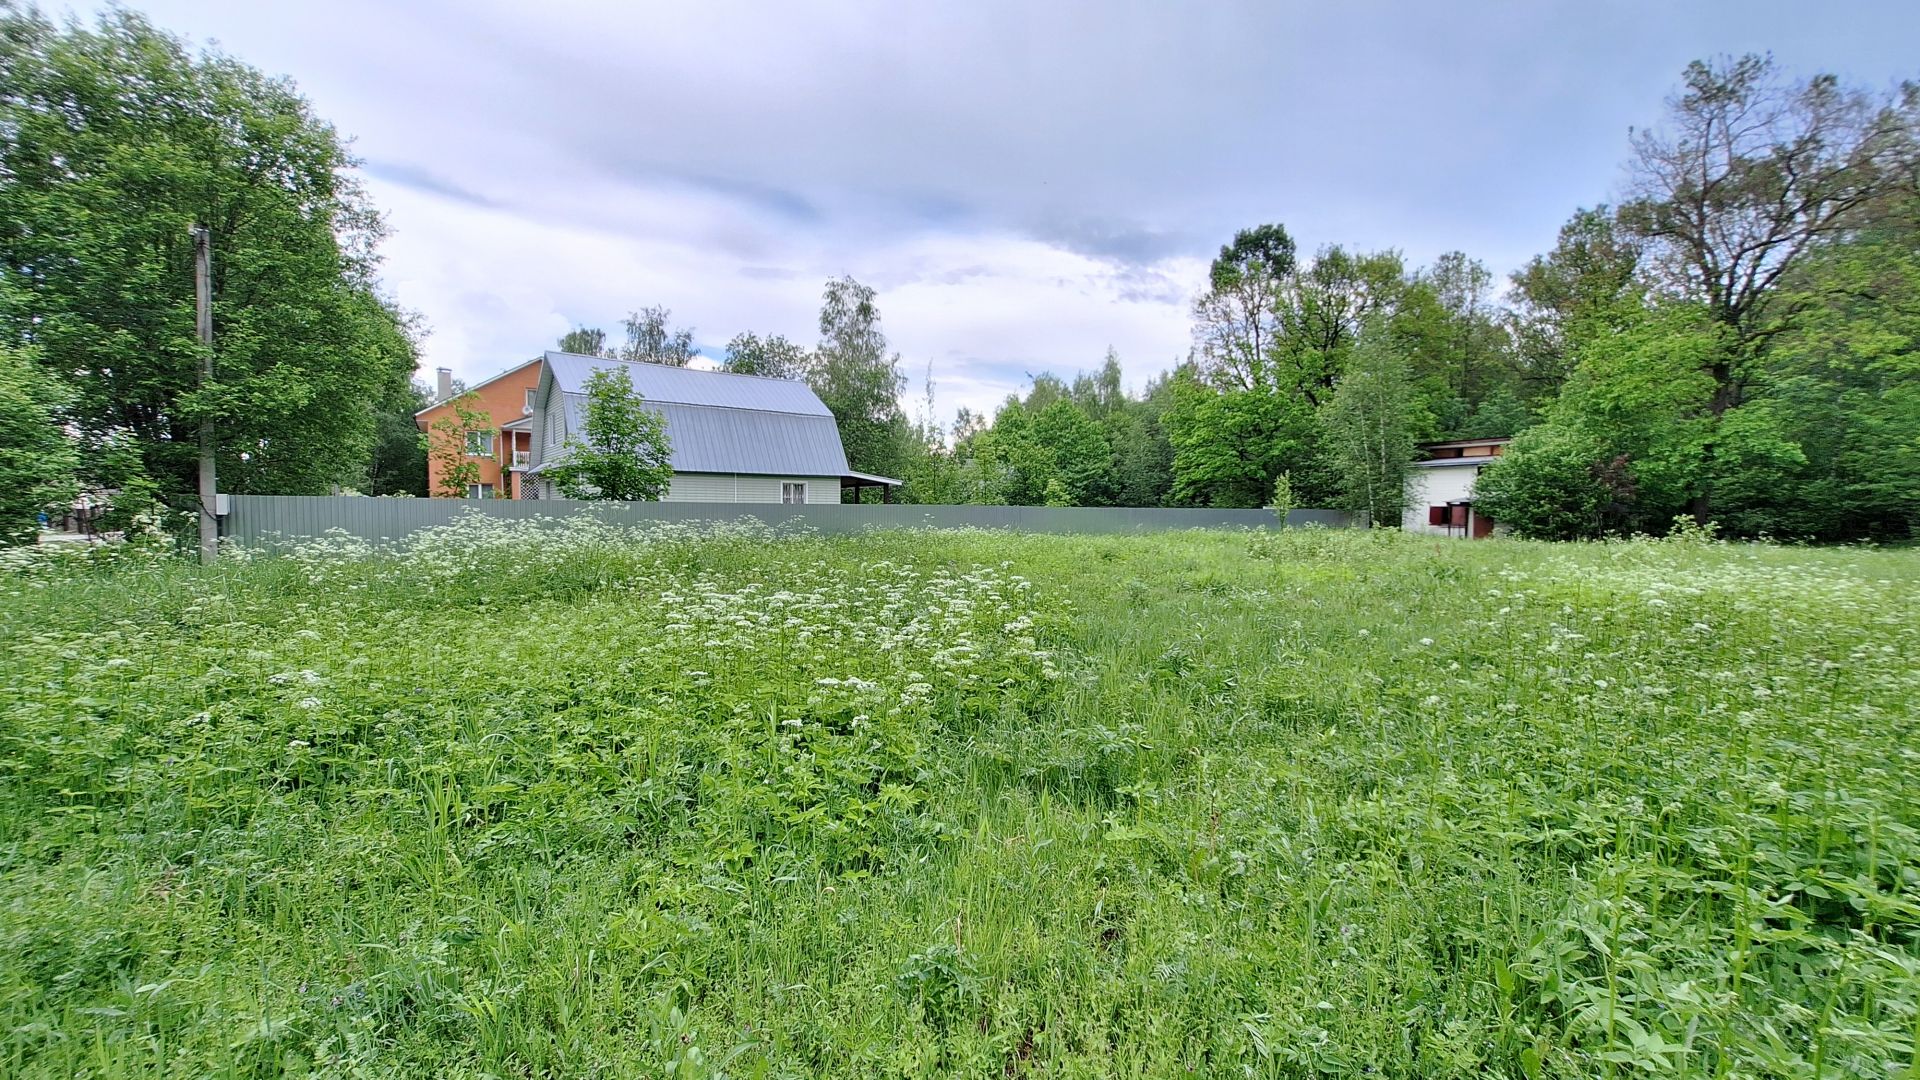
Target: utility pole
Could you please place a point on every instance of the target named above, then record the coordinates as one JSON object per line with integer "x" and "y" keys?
{"x": 203, "y": 312}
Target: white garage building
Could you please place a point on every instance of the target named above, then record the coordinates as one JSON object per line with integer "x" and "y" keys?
{"x": 1440, "y": 488}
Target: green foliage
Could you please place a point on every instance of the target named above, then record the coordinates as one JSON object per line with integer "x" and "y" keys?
{"x": 1369, "y": 423}
{"x": 859, "y": 380}
{"x": 1584, "y": 286}
{"x": 1057, "y": 494}
{"x": 1229, "y": 446}
{"x": 622, "y": 452}
{"x": 447, "y": 440}
{"x": 586, "y": 341}
{"x": 399, "y": 464}
{"x": 37, "y": 460}
{"x": 1082, "y": 460}
{"x": 1283, "y": 499}
{"x": 772, "y": 356}
{"x": 1555, "y": 483}
{"x": 1323, "y": 310}
{"x": 1843, "y": 386}
{"x": 651, "y": 340}
{"x": 1014, "y": 465}
{"x": 114, "y": 141}
{"x": 1236, "y": 321}
{"x": 1310, "y": 802}
{"x": 1500, "y": 416}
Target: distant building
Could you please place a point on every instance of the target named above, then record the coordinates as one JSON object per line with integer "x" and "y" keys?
{"x": 734, "y": 438}
{"x": 503, "y": 447}
{"x": 1440, "y": 488}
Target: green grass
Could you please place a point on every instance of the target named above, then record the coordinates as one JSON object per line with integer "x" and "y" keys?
{"x": 1321, "y": 803}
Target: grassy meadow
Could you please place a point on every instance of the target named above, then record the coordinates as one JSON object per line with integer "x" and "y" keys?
{"x": 589, "y": 803}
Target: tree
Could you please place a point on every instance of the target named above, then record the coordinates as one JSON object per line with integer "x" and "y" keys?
{"x": 1014, "y": 466}
{"x": 623, "y": 453}
{"x": 114, "y": 141}
{"x": 1100, "y": 394}
{"x": 1586, "y": 285}
{"x": 399, "y": 462}
{"x": 1142, "y": 454}
{"x": 1751, "y": 175}
{"x": 1843, "y": 385}
{"x": 1229, "y": 445}
{"x": 1322, "y": 311}
{"x": 1235, "y": 320}
{"x": 858, "y": 380}
{"x": 1369, "y": 423}
{"x": 586, "y": 341}
{"x": 450, "y": 441}
{"x": 772, "y": 356}
{"x": 1082, "y": 460}
{"x": 651, "y": 341}
{"x": 37, "y": 459}
{"x": 1471, "y": 352}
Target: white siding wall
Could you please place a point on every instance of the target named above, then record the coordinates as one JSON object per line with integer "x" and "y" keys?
{"x": 727, "y": 487}
{"x": 1436, "y": 485}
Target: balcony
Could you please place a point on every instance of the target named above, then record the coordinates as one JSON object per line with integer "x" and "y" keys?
{"x": 522, "y": 459}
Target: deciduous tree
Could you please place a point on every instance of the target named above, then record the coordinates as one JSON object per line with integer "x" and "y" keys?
{"x": 859, "y": 380}
{"x": 450, "y": 443}
{"x": 37, "y": 459}
{"x": 622, "y": 452}
{"x": 1235, "y": 321}
{"x": 651, "y": 340}
{"x": 586, "y": 341}
{"x": 1370, "y": 422}
{"x": 1751, "y": 172}
{"x": 115, "y": 139}
{"x": 772, "y": 356}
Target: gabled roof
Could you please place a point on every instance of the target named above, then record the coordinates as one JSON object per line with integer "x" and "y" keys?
{"x": 717, "y": 422}
{"x": 432, "y": 405}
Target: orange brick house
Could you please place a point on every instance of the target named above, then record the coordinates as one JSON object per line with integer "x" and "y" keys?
{"x": 504, "y": 447}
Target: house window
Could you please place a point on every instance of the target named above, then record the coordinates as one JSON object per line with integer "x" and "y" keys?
{"x": 479, "y": 491}
{"x": 528, "y": 407}
{"x": 479, "y": 444}
{"x": 1437, "y": 515}
{"x": 793, "y": 493}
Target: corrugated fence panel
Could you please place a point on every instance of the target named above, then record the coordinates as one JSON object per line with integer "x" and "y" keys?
{"x": 265, "y": 519}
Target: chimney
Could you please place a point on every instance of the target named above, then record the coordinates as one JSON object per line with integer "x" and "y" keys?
{"x": 446, "y": 384}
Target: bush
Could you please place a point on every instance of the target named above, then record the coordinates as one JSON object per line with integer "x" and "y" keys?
{"x": 37, "y": 460}
{"x": 1554, "y": 483}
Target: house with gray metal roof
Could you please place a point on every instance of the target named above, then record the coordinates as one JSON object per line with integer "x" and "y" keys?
{"x": 734, "y": 438}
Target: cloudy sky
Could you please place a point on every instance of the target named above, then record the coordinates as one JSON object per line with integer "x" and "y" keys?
{"x": 1025, "y": 183}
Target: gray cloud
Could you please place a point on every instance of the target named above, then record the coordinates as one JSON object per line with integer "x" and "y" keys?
{"x": 1117, "y": 241}
{"x": 727, "y": 157}
{"x": 420, "y": 179}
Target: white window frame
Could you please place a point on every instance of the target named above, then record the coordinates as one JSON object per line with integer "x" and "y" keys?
{"x": 528, "y": 407}
{"x": 480, "y": 491}
{"x": 791, "y": 488}
{"x": 472, "y": 435}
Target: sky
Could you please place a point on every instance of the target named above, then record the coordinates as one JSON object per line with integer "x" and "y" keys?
{"x": 1026, "y": 184}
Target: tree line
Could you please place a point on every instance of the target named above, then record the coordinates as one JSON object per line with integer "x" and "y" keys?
{"x": 1736, "y": 343}
{"x": 1733, "y": 341}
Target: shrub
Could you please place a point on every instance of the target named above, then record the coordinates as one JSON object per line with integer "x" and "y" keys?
{"x": 1554, "y": 483}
